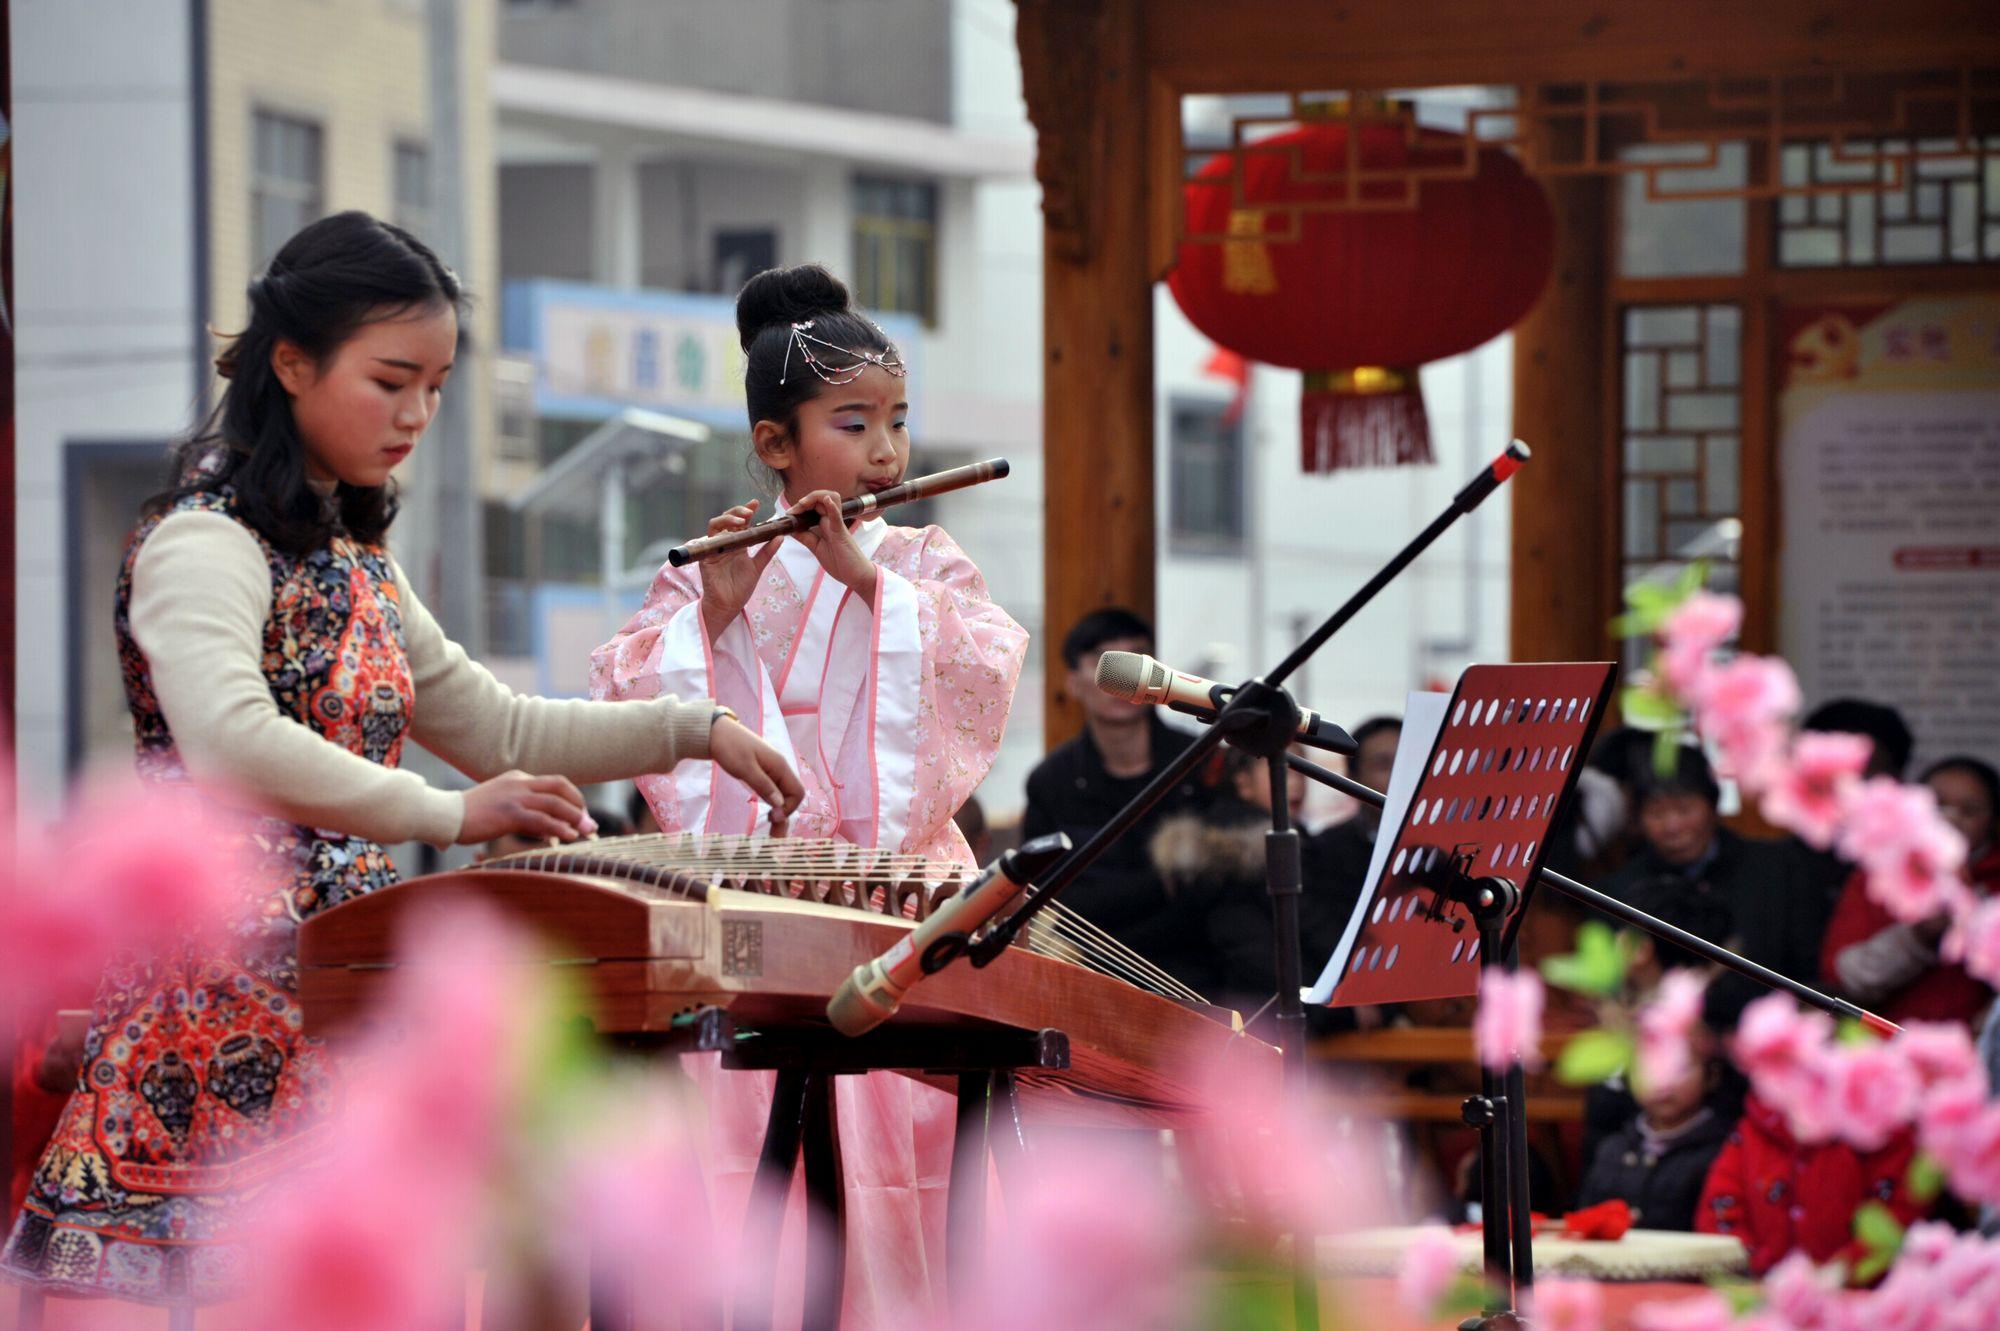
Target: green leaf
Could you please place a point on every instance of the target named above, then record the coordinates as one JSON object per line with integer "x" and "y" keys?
{"x": 1878, "y": 1230}
{"x": 1596, "y": 967}
{"x": 1592, "y": 1056}
{"x": 1666, "y": 749}
{"x": 1649, "y": 709}
{"x": 1925, "y": 1179}
{"x": 1852, "y": 1032}
{"x": 1870, "y": 1267}
{"x": 1651, "y": 597}
{"x": 1745, "y": 1296}
{"x": 1692, "y": 579}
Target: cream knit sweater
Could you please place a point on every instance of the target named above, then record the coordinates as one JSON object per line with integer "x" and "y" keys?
{"x": 201, "y": 596}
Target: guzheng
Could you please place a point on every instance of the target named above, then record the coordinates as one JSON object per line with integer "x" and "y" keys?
{"x": 767, "y": 929}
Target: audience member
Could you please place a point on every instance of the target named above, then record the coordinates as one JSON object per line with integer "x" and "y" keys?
{"x": 1825, "y": 871}
{"x": 1079, "y": 786}
{"x": 1894, "y": 968}
{"x": 1337, "y": 859}
{"x": 1778, "y": 920}
{"x": 1610, "y": 1108}
{"x": 1658, "y": 1160}
{"x": 1779, "y": 1195}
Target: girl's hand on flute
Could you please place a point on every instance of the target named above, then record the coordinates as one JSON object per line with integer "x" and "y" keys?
{"x": 727, "y": 580}
{"x": 834, "y": 546}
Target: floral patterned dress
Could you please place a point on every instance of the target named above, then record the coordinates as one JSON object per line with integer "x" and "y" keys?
{"x": 198, "y": 1084}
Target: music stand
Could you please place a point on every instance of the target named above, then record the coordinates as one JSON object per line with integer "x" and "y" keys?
{"x": 1464, "y": 854}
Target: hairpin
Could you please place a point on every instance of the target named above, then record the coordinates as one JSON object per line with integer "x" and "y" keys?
{"x": 803, "y": 340}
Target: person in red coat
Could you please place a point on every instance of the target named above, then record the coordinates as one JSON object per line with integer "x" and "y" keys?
{"x": 1893, "y": 968}
{"x": 1779, "y": 1196}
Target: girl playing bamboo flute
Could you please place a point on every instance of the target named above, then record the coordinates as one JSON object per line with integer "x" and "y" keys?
{"x": 275, "y": 659}
{"x": 871, "y": 657}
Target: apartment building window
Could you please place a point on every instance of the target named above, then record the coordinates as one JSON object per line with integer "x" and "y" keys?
{"x": 895, "y": 246}
{"x": 741, "y": 255}
{"x": 285, "y": 180}
{"x": 1205, "y": 480}
{"x": 411, "y": 196}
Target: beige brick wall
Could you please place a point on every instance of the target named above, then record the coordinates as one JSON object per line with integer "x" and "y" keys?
{"x": 358, "y": 69}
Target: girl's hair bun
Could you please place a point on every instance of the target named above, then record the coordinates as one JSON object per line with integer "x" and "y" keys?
{"x": 787, "y": 296}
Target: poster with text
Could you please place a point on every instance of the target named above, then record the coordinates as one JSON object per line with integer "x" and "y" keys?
{"x": 1890, "y": 471}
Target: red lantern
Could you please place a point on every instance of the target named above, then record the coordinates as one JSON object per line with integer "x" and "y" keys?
{"x": 1359, "y": 298}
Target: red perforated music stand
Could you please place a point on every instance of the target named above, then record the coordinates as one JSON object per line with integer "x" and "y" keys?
{"x": 1503, "y": 763}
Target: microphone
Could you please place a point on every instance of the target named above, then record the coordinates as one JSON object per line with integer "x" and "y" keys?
{"x": 871, "y": 995}
{"x": 1139, "y": 678}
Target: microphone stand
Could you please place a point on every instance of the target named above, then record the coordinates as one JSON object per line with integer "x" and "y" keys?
{"x": 1260, "y": 717}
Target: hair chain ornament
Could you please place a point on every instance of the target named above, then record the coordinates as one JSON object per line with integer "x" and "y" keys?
{"x": 803, "y": 341}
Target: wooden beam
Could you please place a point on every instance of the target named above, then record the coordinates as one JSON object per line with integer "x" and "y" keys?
{"x": 1563, "y": 500}
{"x": 1087, "y": 94}
{"x": 1254, "y": 45}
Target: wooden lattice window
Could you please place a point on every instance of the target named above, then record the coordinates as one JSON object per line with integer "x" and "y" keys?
{"x": 1930, "y": 203}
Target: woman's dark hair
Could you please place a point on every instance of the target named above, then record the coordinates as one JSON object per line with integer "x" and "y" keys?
{"x": 767, "y": 307}
{"x": 329, "y": 280}
{"x": 1690, "y": 774}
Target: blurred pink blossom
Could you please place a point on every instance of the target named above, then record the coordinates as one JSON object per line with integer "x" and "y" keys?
{"x": 1428, "y": 1265}
{"x": 1707, "y": 1311}
{"x": 1802, "y": 1295}
{"x": 1967, "y": 1147}
{"x": 1699, "y": 625}
{"x": 1949, "y": 1111}
{"x": 1808, "y": 793}
{"x": 1094, "y": 1241}
{"x": 1906, "y": 1300}
{"x": 382, "y": 1227}
{"x": 1289, "y": 1162}
{"x": 1783, "y": 1049}
{"x": 1776, "y": 1036}
{"x": 1666, "y": 1025}
{"x": 1940, "y": 1053}
{"x": 1566, "y": 1305}
{"x": 1743, "y": 708}
{"x": 1509, "y": 1023}
{"x": 1871, "y": 1094}
{"x": 629, "y": 1188}
{"x": 136, "y": 868}
{"x": 1911, "y": 855}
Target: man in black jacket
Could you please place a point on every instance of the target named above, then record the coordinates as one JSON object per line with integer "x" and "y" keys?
{"x": 1778, "y": 915}
{"x": 1080, "y": 785}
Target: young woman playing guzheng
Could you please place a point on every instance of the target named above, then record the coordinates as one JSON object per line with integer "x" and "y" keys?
{"x": 275, "y": 656}
{"x": 874, "y": 660}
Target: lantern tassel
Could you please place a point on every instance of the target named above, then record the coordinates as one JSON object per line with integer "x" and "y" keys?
{"x": 1364, "y": 417}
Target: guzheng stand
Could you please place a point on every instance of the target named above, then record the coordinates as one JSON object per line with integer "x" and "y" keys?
{"x": 803, "y": 1123}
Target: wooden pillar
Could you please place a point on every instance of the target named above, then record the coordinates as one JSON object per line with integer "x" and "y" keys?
{"x": 1565, "y": 500}
{"x": 1083, "y": 75}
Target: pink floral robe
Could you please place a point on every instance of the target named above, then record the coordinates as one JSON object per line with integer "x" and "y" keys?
{"x": 891, "y": 714}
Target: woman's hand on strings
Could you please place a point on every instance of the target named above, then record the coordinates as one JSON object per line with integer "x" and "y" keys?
{"x": 742, "y": 753}
{"x": 834, "y": 546}
{"x": 728, "y": 580}
{"x": 540, "y": 808}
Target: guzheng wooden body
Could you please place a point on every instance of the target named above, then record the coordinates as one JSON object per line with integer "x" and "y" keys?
{"x": 649, "y": 943}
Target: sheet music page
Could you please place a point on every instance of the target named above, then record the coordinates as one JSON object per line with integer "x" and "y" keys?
{"x": 1423, "y": 718}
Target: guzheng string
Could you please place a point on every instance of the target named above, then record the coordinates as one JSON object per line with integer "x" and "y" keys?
{"x": 820, "y": 869}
